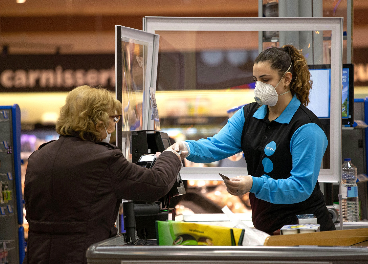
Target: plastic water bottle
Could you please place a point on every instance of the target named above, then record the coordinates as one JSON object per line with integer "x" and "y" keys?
{"x": 349, "y": 192}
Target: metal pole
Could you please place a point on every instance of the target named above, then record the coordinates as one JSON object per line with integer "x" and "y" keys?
{"x": 306, "y": 37}
{"x": 289, "y": 8}
{"x": 260, "y": 33}
{"x": 318, "y": 36}
{"x": 349, "y": 31}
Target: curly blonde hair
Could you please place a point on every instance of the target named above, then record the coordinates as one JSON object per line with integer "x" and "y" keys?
{"x": 85, "y": 107}
{"x": 281, "y": 59}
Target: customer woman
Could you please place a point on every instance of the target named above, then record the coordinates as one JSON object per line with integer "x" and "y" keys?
{"x": 283, "y": 143}
{"x": 74, "y": 185}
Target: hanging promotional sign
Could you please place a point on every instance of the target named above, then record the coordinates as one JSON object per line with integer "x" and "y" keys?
{"x": 54, "y": 73}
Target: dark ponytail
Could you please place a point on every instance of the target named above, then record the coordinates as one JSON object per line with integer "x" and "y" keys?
{"x": 281, "y": 59}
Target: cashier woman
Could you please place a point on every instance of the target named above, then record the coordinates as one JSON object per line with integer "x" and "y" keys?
{"x": 74, "y": 185}
{"x": 283, "y": 144}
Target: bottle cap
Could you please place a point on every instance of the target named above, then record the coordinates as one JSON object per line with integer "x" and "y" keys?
{"x": 348, "y": 159}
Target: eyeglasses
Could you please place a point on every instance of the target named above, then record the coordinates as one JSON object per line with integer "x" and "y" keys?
{"x": 116, "y": 118}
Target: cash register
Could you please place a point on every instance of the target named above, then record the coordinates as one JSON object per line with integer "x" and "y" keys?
{"x": 138, "y": 221}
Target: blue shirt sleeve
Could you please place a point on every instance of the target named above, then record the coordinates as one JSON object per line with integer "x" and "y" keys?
{"x": 308, "y": 145}
{"x": 225, "y": 143}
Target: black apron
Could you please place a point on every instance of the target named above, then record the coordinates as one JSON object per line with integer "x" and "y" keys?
{"x": 257, "y": 136}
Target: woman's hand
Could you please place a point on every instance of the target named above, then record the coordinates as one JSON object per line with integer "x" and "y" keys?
{"x": 181, "y": 149}
{"x": 239, "y": 185}
{"x": 173, "y": 151}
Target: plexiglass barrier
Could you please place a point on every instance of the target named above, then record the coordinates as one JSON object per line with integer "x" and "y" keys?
{"x": 205, "y": 72}
{"x": 135, "y": 67}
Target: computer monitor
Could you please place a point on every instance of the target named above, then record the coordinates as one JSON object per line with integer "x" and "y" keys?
{"x": 321, "y": 91}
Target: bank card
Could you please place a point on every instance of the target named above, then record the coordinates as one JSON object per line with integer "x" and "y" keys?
{"x": 224, "y": 177}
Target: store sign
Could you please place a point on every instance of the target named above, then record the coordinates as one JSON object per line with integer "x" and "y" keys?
{"x": 53, "y": 73}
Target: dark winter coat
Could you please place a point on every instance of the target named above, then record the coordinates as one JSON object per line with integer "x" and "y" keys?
{"x": 73, "y": 189}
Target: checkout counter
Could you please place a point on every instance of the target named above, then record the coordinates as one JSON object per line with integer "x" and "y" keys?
{"x": 123, "y": 249}
{"x": 115, "y": 250}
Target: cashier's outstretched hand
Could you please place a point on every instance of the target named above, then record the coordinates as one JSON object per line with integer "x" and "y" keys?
{"x": 239, "y": 185}
{"x": 180, "y": 148}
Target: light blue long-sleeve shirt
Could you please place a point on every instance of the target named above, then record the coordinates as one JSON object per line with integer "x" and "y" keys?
{"x": 307, "y": 147}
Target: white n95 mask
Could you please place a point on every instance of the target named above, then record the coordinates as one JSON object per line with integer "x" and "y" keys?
{"x": 107, "y": 138}
{"x": 265, "y": 94}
